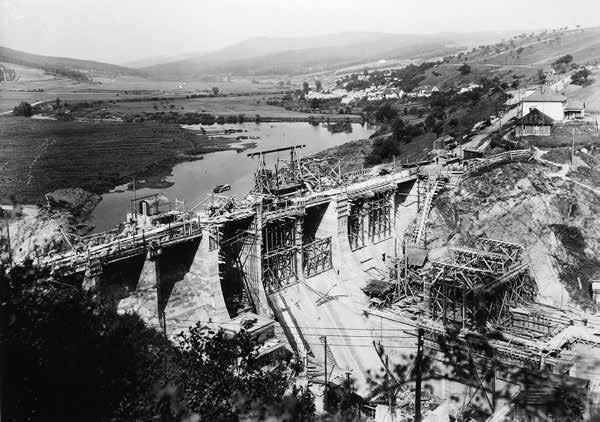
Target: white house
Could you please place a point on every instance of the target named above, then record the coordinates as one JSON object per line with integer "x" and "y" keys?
{"x": 549, "y": 102}
{"x": 469, "y": 88}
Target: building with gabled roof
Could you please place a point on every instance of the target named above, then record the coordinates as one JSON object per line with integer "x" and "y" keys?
{"x": 535, "y": 123}
{"x": 549, "y": 102}
{"x": 575, "y": 110}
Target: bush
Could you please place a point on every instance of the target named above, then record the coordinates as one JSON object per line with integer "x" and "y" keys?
{"x": 464, "y": 69}
{"x": 23, "y": 109}
{"x": 581, "y": 77}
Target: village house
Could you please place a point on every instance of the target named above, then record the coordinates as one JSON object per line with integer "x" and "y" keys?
{"x": 549, "y": 102}
{"x": 534, "y": 123}
{"x": 326, "y": 95}
{"x": 353, "y": 96}
{"x": 469, "y": 88}
{"x": 443, "y": 142}
{"x": 575, "y": 110}
{"x": 424, "y": 91}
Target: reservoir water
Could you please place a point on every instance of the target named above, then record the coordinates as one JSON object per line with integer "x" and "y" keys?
{"x": 193, "y": 180}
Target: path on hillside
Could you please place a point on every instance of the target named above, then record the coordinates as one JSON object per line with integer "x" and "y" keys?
{"x": 478, "y": 139}
{"x": 564, "y": 170}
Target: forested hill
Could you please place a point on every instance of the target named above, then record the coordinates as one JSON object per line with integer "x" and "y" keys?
{"x": 62, "y": 66}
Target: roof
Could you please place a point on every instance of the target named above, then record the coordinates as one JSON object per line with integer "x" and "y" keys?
{"x": 545, "y": 95}
{"x": 574, "y": 105}
{"x": 536, "y": 118}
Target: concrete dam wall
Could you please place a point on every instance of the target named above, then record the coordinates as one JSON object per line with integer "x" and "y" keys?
{"x": 304, "y": 264}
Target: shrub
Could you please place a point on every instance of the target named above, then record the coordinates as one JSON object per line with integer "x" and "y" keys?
{"x": 23, "y": 109}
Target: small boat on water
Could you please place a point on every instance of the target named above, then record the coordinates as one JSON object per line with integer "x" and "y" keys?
{"x": 221, "y": 188}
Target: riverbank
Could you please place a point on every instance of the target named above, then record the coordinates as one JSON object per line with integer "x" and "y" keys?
{"x": 40, "y": 156}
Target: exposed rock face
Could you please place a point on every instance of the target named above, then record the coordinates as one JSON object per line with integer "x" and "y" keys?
{"x": 555, "y": 220}
{"x": 35, "y": 231}
{"x": 79, "y": 202}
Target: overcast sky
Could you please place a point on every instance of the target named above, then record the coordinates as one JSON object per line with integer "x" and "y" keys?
{"x": 119, "y": 31}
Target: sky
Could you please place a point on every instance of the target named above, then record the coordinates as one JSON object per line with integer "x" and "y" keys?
{"x": 122, "y": 31}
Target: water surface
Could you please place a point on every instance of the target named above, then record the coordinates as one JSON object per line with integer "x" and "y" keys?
{"x": 195, "y": 179}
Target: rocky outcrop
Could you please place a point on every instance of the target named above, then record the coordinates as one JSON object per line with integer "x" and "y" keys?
{"x": 78, "y": 202}
{"x": 556, "y": 220}
{"x": 35, "y": 230}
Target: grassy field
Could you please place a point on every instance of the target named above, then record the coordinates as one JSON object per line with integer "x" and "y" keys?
{"x": 583, "y": 45}
{"x": 510, "y": 62}
{"x": 33, "y": 85}
{"x": 590, "y": 94}
{"x": 38, "y": 156}
{"x": 221, "y": 106}
{"x": 585, "y": 134}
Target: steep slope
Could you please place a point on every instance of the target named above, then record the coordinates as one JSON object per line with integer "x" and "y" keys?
{"x": 555, "y": 219}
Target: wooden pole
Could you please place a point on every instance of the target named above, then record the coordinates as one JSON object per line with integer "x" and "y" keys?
{"x": 418, "y": 370}
{"x": 325, "y": 391}
{"x": 573, "y": 146}
{"x": 4, "y": 300}
{"x": 388, "y": 389}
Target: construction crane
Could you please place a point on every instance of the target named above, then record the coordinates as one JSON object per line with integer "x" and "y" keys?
{"x": 286, "y": 179}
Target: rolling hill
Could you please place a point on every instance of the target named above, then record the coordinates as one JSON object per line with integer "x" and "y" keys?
{"x": 63, "y": 66}
{"x": 263, "y": 55}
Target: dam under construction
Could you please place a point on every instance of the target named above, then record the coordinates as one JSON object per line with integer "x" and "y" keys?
{"x": 338, "y": 262}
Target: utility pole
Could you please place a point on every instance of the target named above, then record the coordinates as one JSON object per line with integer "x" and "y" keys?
{"x": 348, "y": 387}
{"x": 4, "y": 293}
{"x": 418, "y": 194}
{"x": 162, "y": 321}
{"x": 10, "y": 261}
{"x": 388, "y": 390}
{"x": 418, "y": 370}
{"x": 325, "y": 391}
{"x": 573, "y": 146}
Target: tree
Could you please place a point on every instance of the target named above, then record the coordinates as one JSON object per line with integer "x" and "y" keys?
{"x": 72, "y": 359}
{"x": 385, "y": 112}
{"x": 561, "y": 65}
{"x": 581, "y": 77}
{"x": 318, "y": 85}
{"x": 221, "y": 378}
{"x": 315, "y": 103}
{"x": 541, "y": 76}
{"x": 464, "y": 69}
{"x": 23, "y": 109}
{"x": 305, "y": 88}
{"x": 215, "y": 91}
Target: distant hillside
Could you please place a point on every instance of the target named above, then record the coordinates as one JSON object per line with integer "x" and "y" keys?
{"x": 82, "y": 70}
{"x": 259, "y": 56}
{"x": 542, "y": 49}
{"x": 518, "y": 60}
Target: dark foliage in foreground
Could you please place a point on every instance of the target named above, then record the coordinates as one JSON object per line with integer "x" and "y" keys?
{"x": 69, "y": 358}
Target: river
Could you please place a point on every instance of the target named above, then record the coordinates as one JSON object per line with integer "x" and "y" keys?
{"x": 193, "y": 180}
